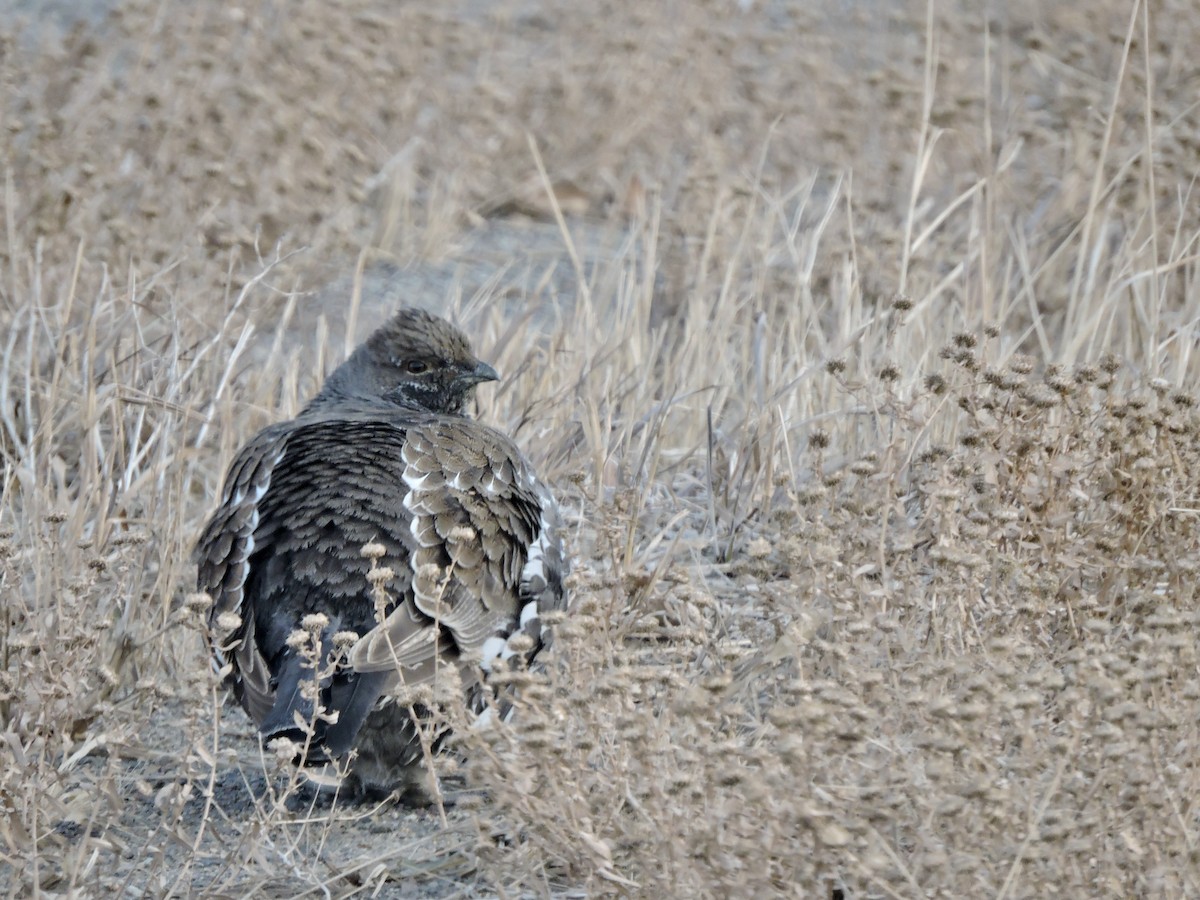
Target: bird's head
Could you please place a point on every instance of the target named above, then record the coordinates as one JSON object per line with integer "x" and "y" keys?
{"x": 415, "y": 360}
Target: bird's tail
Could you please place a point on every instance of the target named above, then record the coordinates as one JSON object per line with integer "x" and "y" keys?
{"x": 344, "y": 697}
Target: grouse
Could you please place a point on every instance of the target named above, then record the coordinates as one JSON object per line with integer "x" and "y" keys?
{"x": 463, "y": 536}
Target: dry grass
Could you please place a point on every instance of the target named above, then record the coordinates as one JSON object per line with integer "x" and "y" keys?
{"x": 860, "y": 347}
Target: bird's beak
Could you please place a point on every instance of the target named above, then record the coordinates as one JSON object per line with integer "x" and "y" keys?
{"x": 482, "y": 372}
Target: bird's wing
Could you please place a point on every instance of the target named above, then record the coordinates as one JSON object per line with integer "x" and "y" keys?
{"x": 477, "y": 513}
{"x": 223, "y": 564}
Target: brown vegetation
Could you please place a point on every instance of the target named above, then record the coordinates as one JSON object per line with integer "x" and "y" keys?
{"x": 858, "y": 342}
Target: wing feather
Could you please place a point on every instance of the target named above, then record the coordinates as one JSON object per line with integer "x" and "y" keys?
{"x": 223, "y": 564}
{"x": 475, "y": 515}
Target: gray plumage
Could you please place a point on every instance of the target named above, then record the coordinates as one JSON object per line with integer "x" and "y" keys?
{"x": 383, "y": 454}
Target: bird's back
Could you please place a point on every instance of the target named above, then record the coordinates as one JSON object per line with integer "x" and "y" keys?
{"x": 338, "y": 487}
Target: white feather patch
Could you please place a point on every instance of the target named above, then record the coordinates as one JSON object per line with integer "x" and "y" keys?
{"x": 493, "y": 647}
{"x": 261, "y": 491}
{"x": 415, "y": 482}
{"x": 487, "y": 718}
{"x": 535, "y": 563}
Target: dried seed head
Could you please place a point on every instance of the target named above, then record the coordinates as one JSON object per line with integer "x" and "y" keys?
{"x": 314, "y": 622}
{"x": 197, "y": 603}
{"x": 1040, "y": 397}
{"x": 285, "y": 749}
{"x": 464, "y": 533}
{"x": 1059, "y": 381}
{"x": 967, "y": 359}
{"x": 427, "y": 578}
{"x": 935, "y": 383}
{"x": 1021, "y": 364}
{"x": 373, "y": 550}
{"x": 759, "y": 548}
{"x": 520, "y": 643}
{"x": 227, "y": 623}
{"x": 381, "y": 575}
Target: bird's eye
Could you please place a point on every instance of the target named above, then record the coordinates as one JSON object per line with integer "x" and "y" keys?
{"x": 416, "y": 366}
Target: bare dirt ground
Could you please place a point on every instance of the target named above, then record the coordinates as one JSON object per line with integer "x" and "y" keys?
{"x": 857, "y": 340}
